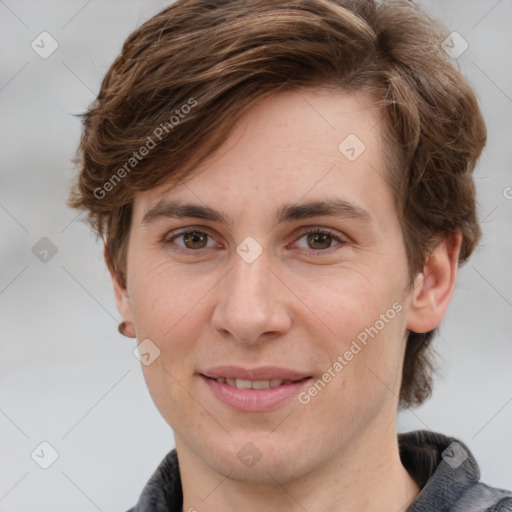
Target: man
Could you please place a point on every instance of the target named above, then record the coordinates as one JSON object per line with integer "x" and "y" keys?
{"x": 285, "y": 193}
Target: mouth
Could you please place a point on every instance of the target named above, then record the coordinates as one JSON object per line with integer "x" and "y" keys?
{"x": 255, "y": 384}
{"x": 254, "y": 390}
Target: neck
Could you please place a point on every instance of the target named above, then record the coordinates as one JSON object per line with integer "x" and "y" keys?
{"x": 368, "y": 476}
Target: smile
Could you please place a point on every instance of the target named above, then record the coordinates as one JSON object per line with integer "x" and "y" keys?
{"x": 253, "y": 384}
{"x": 253, "y": 390}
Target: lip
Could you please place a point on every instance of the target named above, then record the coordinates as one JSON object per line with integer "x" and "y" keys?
{"x": 260, "y": 373}
{"x": 254, "y": 400}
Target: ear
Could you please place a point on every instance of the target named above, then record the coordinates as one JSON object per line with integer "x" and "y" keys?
{"x": 122, "y": 298}
{"x": 434, "y": 287}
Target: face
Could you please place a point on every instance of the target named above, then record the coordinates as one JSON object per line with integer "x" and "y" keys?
{"x": 280, "y": 267}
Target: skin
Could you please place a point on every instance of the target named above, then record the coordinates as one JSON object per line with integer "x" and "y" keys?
{"x": 299, "y": 305}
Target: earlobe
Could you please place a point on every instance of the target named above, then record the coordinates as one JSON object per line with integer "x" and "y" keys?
{"x": 434, "y": 287}
{"x": 126, "y": 329}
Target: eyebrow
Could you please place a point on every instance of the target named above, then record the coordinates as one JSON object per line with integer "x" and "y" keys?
{"x": 286, "y": 213}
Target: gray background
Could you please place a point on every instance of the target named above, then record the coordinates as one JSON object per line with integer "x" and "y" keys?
{"x": 68, "y": 378}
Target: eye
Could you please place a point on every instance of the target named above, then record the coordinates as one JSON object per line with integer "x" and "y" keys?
{"x": 317, "y": 239}
{"x": 192, "y": 240}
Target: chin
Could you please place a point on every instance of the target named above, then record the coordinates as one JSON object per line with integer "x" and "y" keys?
{"x": 257, "y": 460}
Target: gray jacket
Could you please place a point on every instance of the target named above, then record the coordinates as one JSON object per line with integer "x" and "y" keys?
{"x": 443, "y": 468}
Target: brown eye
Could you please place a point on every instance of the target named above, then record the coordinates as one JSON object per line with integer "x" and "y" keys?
{"x": 195, "y": 240}
{"x": 319, "y": 240}
{"x": 190, "y": 242}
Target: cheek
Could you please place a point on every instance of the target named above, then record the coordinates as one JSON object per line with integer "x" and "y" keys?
{"x": 364, "y": 318}
{"x": 167, "y": 309}
{"x": 354, "y": 300}
{"x": 164, "y": 298}
{"x": 362, "y": 376}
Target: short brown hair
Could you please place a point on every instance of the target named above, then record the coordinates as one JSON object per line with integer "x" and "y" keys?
{"x": 206, "y": 63}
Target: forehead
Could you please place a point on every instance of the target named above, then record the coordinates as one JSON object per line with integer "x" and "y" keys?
{"x": 291, "y": 145}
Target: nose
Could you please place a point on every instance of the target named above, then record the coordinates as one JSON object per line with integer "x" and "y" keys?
{"x": 251, "y": 303}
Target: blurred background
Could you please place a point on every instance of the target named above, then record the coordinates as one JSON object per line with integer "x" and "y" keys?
{"x": 72, "y": 395}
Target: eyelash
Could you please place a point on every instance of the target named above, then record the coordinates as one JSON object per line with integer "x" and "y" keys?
{"x": 322, "y": 231}
{"x": 200, "y": 252}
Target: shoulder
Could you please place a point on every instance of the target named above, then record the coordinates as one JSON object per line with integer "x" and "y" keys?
{"x": 448, "y": 475}
{"x": 483, "y": 498}
{"x": 163, "y": 492}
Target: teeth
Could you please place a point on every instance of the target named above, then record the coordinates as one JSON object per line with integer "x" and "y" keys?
{"x": 243, "y": 384}
{"x": 260, "y": 384}
{"x": 253, "y": 384}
